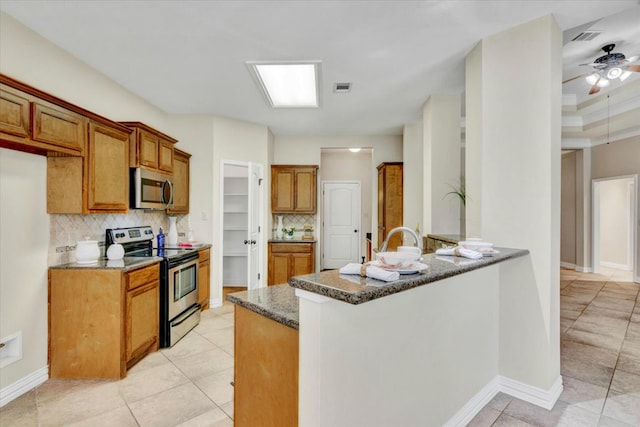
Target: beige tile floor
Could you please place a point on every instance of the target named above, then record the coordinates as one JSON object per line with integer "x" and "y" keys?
{"x": 188, "y": 385}
{"x": 600, "y": 358}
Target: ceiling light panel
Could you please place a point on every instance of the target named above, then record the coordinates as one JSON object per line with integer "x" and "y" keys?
{"x": 288, "y": 84}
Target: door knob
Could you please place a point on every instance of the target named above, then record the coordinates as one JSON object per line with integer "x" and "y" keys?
{"x": 246, "y": 242}
{"x": 253, "y": 242}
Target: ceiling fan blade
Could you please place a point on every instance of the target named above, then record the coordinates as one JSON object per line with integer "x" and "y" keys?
{"x": 635, "y": 68}
{"x": 633, "y": 58}
{"x": 573, "y": 78}
{"x": 594, "y": 89}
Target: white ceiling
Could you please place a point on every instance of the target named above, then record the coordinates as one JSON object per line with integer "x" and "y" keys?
{"x": 189, "y": 56}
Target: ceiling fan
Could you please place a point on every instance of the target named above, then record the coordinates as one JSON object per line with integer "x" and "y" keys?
{"x": 608, "y": 67}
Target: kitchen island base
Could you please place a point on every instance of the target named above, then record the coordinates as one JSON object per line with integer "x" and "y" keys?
{"x": 266, "y": 371}
{"x": 430, "y": 355}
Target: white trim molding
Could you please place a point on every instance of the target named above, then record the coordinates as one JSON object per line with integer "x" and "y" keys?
{"x": 23, "y": 385}
{"x": 534, "y": 395}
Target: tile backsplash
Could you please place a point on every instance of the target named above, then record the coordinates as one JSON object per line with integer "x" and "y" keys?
{"x": 293, "y": 220}
{"x": 66, "y": 230}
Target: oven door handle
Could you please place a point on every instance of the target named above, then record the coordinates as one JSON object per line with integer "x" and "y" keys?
{"x": 184, "y": 316}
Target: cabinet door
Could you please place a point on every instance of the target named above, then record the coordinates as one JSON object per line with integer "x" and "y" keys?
{"x": 14, "y": 113}
{"x": 108, "y": 171}
{"x": 180, "y": 184}
{"x": 203, "y": 278}
{"x": 282, "y": 189}
{"x": 142, "y": 321}
{"x": 59, "y": 127}
{"x": 305, "y": 190}
{"x": 279, "y": 268}
{"x": 301, "y": 264}
{"x": 165, "y": 156}
{"x": 148, "y": 149}
{"x": 381, "y": 229}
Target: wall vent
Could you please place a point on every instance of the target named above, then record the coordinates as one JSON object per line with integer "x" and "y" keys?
{"x": 342, "y": 87}
{"x": 586, "y": 36}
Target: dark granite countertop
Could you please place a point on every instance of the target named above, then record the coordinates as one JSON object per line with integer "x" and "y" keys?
{"x": 294, "y": 240}
{"x": 357, "y": 290}
{"x": 125, "y": 264}
{"x": 453, "y": 238}
{"x": 277, "y": 302}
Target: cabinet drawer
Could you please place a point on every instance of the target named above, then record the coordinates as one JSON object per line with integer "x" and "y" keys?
{"x": 144, "y": 275}
{"x": 204, "y": 255}
{"x": 291, "y": 247}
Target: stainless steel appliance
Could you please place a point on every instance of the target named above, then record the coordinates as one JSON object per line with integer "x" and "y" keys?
{"x": 179, "y": 308}
{"x": 150, "y": 190}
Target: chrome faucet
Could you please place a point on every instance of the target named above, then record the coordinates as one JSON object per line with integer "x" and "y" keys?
{"x": 383, "y": 248}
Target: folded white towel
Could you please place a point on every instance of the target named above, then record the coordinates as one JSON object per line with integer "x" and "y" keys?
{"x": 370, "y": 271}
{"x": 461, "y": 252}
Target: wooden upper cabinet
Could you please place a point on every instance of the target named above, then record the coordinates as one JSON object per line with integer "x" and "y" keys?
{"x": 14, "y": 113}
{"x": 31, "y": 124}
{"x": 180, "y": 183}
{"x": 390, "y": 201}
{"x": 58, "y": 126}
{"x": 165, "y": 155}
{"x": 107, "y": 169}
{"x": 96, "y": 183}
{"x": 150, "y": 148}
{"x": 293, "y": 189}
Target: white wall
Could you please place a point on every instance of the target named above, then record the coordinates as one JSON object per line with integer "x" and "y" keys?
{"x": 568, "y": 210}
{"x": 307, "y": 151}
{"x": 441, "y": 173}
{"x": 620, "y": 158}
{"x": 615, "y": 223}
{"x": 412, "y": 180}
{"x": 365, "y": 365}
{"x": 24, "y": 239}
{"x": 245, "y": 142}
{"x": 513, "y": 129}
{"x": 347, "y": 166}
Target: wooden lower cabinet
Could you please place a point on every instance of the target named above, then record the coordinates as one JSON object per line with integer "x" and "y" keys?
{"x": 204, "y": 274}
{"x": 289, "y": 259}
{"x": 101, "y": 321}
{"x": 265, "y": 371}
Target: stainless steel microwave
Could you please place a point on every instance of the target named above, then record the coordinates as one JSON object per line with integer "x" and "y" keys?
{"x": 150, "y": 190}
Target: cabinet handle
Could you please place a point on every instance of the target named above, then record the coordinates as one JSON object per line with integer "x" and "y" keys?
{"x": 246, "y": 242}
{"x": 253, "y": 242}
{"x": 355, "y": 231}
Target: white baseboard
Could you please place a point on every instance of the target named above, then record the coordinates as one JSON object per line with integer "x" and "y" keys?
{"x": 584, "y": 269}
{"x": 534, "y": 395}
{"x": 537, "y": 396}
{"x": 568, "y": 265}
{"x": 215, "y": 302}
{"x": 23, "y": 385}
{"x": 475, "y": 405}
{"x": 624, "y": 267}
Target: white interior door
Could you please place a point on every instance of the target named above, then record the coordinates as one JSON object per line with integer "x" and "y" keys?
{"x": 254, "y": 280}
{"x": 341, "y": 223}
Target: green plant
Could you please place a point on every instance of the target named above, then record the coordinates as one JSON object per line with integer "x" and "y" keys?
{"x": 460, "y": 192}
{"x": 289, "y": 230}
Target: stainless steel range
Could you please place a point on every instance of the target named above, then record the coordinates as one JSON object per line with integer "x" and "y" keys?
{"x": 179, "y": 308}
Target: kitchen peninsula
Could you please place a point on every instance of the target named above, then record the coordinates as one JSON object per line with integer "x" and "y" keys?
{"x": 416, "y": 351}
